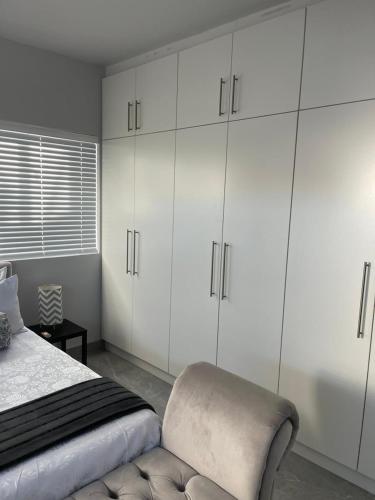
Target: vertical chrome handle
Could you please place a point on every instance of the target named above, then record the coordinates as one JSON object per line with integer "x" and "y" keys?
{"x": 363, "y": 302}
{"x": 137, "y": 103}
{"x": 223, "y": 295}
{"x": 212, "y": 269}
{"x": 128, "y": 270}
{"x": 135, "y": 271}
{"x": 222, "y": 83}
{"x": 130, "y": 106}
{"x": 234, "y": 82}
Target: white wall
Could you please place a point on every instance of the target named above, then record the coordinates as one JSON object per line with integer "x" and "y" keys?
{"x": 40, "y": 88}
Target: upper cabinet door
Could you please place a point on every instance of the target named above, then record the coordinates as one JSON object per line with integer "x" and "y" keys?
{"x": 339, "y": 62}
{"x": 118, "y": 93}
{"x": 266, "y": 67}
{"x": 204, "y": 83}
{"x": 256, "y": 220}
{"x": 329, "y": 290}
{"x": 156, "y": 95}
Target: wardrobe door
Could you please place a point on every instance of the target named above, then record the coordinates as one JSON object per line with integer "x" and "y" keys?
{"x": 118, "y": 93}
{"x": 156, "y": 91}
{"x": 256, "y": 221}
{"x": 366, "y": 463}
{"x": 266, "y": 66}
{"x": 198, "y": 214}
{"x": 117, "y": 221}
{"x": 339, "y": 61}
{"x": 154, "y": 174}
{"x": 204, "y": 83}
{"x": 330, "y": 280}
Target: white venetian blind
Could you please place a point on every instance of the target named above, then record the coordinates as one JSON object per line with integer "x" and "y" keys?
{"x": 48, "y": 196}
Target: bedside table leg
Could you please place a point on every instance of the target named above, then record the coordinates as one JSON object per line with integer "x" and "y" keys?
{"x": 84, "y": 348}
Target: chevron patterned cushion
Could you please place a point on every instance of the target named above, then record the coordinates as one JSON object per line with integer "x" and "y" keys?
{"x": 50, "y": 304}
{"x": 9, "y": 303}
{"x": 5, "y": 333}
{"x": 3, "y": 273}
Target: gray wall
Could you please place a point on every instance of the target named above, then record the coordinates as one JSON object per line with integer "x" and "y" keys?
{"x": 79, "y": 277}
{"x": 41, "y": 88}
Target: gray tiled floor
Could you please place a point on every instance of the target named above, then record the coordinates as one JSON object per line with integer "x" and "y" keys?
{"x": 298, "y": 479}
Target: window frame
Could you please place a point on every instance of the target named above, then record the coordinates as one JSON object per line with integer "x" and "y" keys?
{"x": 53, "y": 133}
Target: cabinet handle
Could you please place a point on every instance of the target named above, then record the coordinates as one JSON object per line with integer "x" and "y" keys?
{"x": 128, "y": 270}
{"x": 363, "y": 302}
{"x": 135, "y": 271}
{"x": 137, "y": 103}
{"x": 222, "y": 83}
{"x": 212, "y": 269}
{"x": 235, "y": 80}
{"x": 223, "y": 283}
{"x": 130, "y": 126}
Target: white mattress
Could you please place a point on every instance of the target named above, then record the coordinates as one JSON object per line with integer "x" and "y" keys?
{"x": 32, "y": 368}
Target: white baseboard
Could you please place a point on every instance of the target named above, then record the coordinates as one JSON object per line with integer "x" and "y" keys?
{"x": 138, "y": 362}
{"x": 340, "y": 470}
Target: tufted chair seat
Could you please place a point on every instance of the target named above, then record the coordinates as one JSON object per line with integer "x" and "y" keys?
{"x": 157, "y": 475}
{"x": 223, "y": 438}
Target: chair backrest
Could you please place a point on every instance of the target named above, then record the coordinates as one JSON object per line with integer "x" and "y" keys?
{"x": 8, "y": 265}
{"x": 229, "y": 430}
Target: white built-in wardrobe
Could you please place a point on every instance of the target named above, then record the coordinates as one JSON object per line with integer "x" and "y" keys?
{"x": 238, "y": 215}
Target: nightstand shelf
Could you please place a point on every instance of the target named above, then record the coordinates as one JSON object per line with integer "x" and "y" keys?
{"x": 61, "y": 333}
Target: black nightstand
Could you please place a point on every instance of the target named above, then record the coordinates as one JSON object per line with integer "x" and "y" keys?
{"x": 61, "y": 333}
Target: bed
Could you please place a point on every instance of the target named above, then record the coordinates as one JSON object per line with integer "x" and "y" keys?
{"x": 31, "y": 368}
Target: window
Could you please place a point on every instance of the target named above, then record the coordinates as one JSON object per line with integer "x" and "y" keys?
{"x": 48, "y": 196}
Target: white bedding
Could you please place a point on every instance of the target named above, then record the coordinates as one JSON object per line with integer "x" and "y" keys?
{"x": 32, "y": 368}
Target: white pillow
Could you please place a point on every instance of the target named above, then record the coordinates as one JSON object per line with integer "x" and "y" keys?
{"x": 9, "y": 303}
{"x": 3, "y": 273}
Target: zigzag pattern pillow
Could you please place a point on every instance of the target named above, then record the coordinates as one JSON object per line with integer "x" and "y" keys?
{"x": 5, "y": 333}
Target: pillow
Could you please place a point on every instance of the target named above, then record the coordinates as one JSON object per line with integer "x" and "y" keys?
{"x": 9, "y": 303}
{"x": 5, "y": 333}
{"x": 3, "y": 273}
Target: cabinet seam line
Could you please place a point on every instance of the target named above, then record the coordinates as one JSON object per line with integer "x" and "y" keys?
{"x": 366, "y": 387}
{"x": 291, "y": 206}
{"x": 173, "y": 220}
{"x": 133, "y": 221}
{"x": 223, "y": 214}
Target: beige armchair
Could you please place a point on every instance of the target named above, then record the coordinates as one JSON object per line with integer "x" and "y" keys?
{"x": 223, "y": 438}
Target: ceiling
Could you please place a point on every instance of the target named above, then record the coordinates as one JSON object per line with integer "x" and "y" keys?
{"x": 107, "y": 31}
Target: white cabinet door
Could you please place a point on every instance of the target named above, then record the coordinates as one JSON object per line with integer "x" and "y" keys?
{"x": 339, "y": 62}
{"x": 198, "y": 215}
{"x": 256, "y": 220}
{"x": 118, "y": 93}
{"x": 266, "y": 66}
{"x": 117, "y": 219}
{"x": 366, "y": 458}
{"x": 324, "y": 364}
{"x": 156, "y": 91}
{"x": 204, "y": 83}
{"x": 154, "y": 174}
